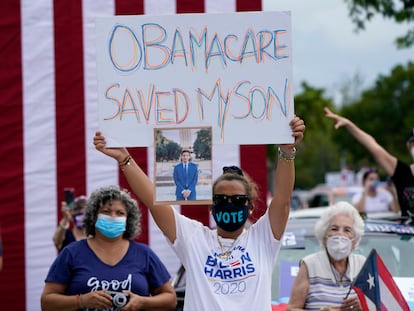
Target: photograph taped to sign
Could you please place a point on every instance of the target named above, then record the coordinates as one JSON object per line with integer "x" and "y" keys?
{"x": 183, "y": 165}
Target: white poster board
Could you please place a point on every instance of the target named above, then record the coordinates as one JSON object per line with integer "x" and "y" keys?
{"x": 232, "y": 72}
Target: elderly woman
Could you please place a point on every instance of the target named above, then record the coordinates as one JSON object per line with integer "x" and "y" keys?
{"x": 108, "y": 271}
{"x": 324, "y": 278}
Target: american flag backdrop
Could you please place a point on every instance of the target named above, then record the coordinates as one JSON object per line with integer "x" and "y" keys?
{"x": 49, "y": 114}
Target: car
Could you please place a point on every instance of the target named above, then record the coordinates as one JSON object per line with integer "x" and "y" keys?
{"x": 325, "y": 195}
{"x": 316, "y": 212}
{"x": 393, "y": 241}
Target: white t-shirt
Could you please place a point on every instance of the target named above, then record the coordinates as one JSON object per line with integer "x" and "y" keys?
{"x": 240, "y": 282}
{"x": 376, "y": 204}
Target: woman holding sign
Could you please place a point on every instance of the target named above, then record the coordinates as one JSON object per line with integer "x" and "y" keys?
{"x": 228, "y": 268}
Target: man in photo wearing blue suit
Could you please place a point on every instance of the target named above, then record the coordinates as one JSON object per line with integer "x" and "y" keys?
{"x": 185, "y": 178}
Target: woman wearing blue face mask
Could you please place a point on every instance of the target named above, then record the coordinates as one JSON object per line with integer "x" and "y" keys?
{"x": 230, "y": 267}
{"x": 108, "y": 271}
{"x": 324, "y": 278}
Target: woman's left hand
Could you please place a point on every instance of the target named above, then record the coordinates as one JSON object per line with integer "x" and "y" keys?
{"x": 351, "y": 304}
{"x": 134, "y": 302}
{"x": 297, "y": 126}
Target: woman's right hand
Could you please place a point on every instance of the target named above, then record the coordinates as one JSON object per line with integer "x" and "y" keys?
{"x": 66, "y": 211}
{"x": 117, "y": 153}
{"x": 97, "y": 300}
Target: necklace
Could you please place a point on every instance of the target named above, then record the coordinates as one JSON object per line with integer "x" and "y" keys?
{"x": 225, "y": 254}
{"x": 339, "y": 280}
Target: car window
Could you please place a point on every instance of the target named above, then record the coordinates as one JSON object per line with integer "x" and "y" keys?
{"x": 396, "y": 252}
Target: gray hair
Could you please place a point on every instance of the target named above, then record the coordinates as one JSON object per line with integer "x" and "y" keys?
{"x": 342, "y": 207}
{"x": 107, "y": 194}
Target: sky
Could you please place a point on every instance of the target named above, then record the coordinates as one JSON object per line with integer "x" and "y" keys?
{"x": 327, "y": 52}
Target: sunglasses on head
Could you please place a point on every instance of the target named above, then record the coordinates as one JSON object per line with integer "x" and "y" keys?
{"x": 238, "y": 199}
{"x": 233, "y": 170}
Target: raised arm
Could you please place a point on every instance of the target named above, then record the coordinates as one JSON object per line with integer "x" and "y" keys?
{"x": 60, "y": 232}
{"x": 284, "y": 180}
{"x": 141, "y": 185}
{"x": 384, "y": 159}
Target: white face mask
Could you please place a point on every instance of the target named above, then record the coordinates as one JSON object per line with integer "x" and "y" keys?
{"x": 339, "y": 247}
{"x": 412, "y": 152}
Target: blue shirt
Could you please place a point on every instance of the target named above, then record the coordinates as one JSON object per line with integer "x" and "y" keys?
{"x": 82, "y": 271}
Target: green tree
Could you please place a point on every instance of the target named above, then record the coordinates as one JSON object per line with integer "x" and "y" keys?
{"x": 401, "y": 11}
{"x": 202, "y": 144}
{"x": 317, "y": 153}
{"x": 161, "y": 152}
{"x": 166, "y": 150}
{"x": 173, "y": 151}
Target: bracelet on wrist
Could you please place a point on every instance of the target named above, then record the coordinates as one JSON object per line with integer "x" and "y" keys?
{"x": 287, "y": 156}
{"x": 64, "y": 227}
{"x": 79, "y": 301}
{"x": 125, "y": 162}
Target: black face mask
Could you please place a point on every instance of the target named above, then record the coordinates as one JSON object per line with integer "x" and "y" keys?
{"x": 230, "y": 216}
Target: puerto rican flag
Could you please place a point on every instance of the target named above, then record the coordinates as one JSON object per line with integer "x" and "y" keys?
{"x": 49, "y": 114}
{"x": 376, "y": 289}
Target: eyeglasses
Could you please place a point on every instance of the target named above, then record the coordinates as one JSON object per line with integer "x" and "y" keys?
{"x": 238, "y": 199}
{"x": 232, "y": 169}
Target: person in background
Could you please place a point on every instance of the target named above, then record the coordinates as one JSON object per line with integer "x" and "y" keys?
{"x": 185, "y": 178}
{"x": 70, "y": 226}
{"x": 324, "y": 278}
{"x": 372, "y": 198}
{"x": 108, "y": 271}
{"x": 401, "y": 173}
{"x": 230, "y": 267}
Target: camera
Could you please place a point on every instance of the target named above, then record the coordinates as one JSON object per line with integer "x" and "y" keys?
{"x": 119, "y": 299}
{"x": 69, "y": 195}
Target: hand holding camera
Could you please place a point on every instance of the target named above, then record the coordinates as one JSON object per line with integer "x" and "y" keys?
{"x": 119, "y": 299}
{"x": 103, "y": 300}
{"x": 374, "y": 185}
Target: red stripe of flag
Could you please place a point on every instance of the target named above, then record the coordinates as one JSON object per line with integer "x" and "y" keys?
{"x": 362, "y": 298}
{"x": 388, "y": 280}
{"x": 129, "y": 7}
{"x": 254, "y": 163}
{"x": 243, "y": 5}
{"x": 69, "y": 84}
{"x": 12, "y": 285}
{"x": 190, "y": 6}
